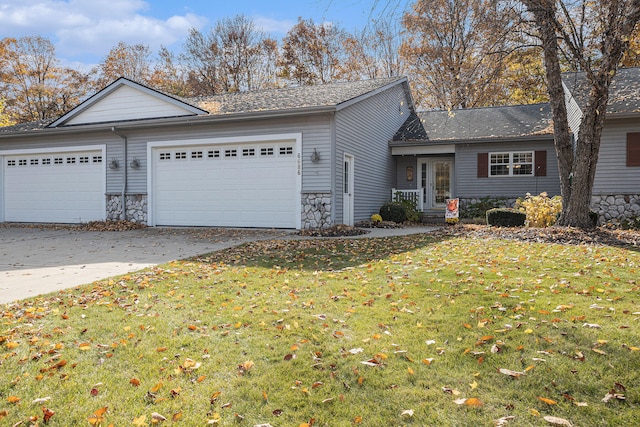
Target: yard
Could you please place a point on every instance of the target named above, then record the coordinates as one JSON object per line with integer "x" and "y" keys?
{"x": 451, "y": 329}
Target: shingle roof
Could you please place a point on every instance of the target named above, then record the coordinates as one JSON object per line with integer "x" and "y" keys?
{"x": 289, "y": 98}
{"x": 624, "y": 92}
{"x": 411, "y": 130}
{"x": 327, "y": 95}
{"x": 488, "y": 123}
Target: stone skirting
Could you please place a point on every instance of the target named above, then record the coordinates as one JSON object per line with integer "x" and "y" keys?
{"x": 316, "y": 210}
{"x": 615, "y": 207}
{"x": 136, "y": 207}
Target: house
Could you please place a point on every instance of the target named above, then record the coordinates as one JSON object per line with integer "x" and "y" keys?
{"x": 300, "y": 157}
{"x": 506, "y": 152}
{"x": 616, "y": 188}
{"x": 497, "y": 152}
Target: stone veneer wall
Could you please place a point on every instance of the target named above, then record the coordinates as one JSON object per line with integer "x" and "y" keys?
{"x": 136, "y": 207}
{"x": 316, "y": 210}
{"x": 615, "y": 207}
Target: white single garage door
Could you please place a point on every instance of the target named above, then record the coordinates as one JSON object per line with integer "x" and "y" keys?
{"x": 60, "y": 187}
{"x": 228, "y": 185}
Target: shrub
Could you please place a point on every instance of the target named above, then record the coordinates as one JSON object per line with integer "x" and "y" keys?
{"x": 632, "y": 223}
{"x": 395, "y": 212}
{"x": 411, "y": 207}
{"x": 541, "y": 210}
{"x": 480, "y": 208}
{"x": 506, "y": 217}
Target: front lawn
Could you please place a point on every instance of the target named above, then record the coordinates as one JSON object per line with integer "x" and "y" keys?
{"x": 418, "y": 331}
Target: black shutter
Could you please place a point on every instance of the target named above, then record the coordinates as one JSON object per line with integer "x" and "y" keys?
{"x": 483, "y": 165}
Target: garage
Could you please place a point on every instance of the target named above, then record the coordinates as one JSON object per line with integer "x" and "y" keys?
{"x": 227, "y": 183}
{"x": 65, "y": 186}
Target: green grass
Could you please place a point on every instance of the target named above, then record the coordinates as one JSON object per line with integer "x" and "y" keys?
{"x": 276, "y": 332}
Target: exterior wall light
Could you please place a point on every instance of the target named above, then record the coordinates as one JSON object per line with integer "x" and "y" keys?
{"x": 315, "y": 156}
{"x": 113, "y": 164}
{"x": 135, "y": 164}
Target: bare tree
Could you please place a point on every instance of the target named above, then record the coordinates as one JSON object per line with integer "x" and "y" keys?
{"x": 125, "y": 60}
{"x": 594, "y": 36}
{"x": 35, "y": 85}
{"x": 455, "y": 51}
{"x": 312, "y": 53}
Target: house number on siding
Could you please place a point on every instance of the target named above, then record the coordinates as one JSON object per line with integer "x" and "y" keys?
{"x": 299, "y": 164}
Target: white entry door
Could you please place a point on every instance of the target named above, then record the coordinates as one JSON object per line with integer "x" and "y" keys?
{"x": 436, "y": 180}
{"x": 347, "y": 191}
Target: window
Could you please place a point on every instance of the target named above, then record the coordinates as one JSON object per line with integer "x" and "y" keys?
{"x": 181, "y": 155}
{"x": 286, "y": 151}
{"x": 11, "y": 162}
{"x": 34, "y": 162}
{"x": 511, "y": 164}
{"x": 196, "y": 154}
{"x": 22, "y": 162}
{"x": 97, "y": 159}
{"x": 71, "y": 160}
{"x": 58, "y": 161}
{"x": 213, "y": 154}
{"x": 231, "y": 153}
{"x": 267, "y": 151}
{"x": 46, "y": 161}
{"x": 248, "y": 152}
{"x": 83, "y": 159}
{"x": 165, "y": 156}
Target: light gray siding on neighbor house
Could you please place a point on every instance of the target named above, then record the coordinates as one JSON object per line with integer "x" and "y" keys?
{"x": 468, "y": 184}
{"x": 613, "y": 176}
{"x": 364, "y": 130}
{"x": 574, "y": 114}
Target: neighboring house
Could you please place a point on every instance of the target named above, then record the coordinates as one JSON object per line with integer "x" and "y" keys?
{"x": 496, "y": 152}
{"x": 616, "y": 189}
{"x": 301, "y": 157}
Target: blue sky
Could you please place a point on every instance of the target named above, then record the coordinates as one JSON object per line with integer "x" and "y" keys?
{"x": 83, "y": 31}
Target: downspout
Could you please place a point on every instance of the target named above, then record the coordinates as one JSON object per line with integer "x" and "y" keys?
{"x": 124, "y": 182}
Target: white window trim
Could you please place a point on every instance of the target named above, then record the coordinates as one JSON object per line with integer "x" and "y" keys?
{"x": 510, "y": 165}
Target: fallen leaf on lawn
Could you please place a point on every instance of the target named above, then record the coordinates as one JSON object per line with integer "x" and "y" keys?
{"x": 613, "y": 395}
{"x": 547, "y": 400}
{"x": 177, "y": 416}
{"x": 190, "y": 364}
{"x": 591, "y": 325}
{"x": 156, "y": 387}
{"x": 356, "y": 350}
{"x": 431, "y": 342}
{"x": 428, "y": 361}
{"x": 473, "y": 385}
{"x": 97, "y": 417}
{"x": 451, "y": 391}
{"x": 245, "y": 366}
{"x": 580, "y": 403}
{"x": 472, "y": 401}
{"x": 407, "y": 413}
{"x": 597, "y": 350}
{"x": 157, "y": 417}
{"x": 514, "y": 374}
{"x": 13, "y": 399}
{"x": 41, "y": 400}
{"x": 503, "y": 421}
{"x": 141, "y": 421}
{"x": 264, "y": 396}
{"x": 357, "y": 420}
{"x": 47, "y": 414}
{"x": 3, "y": 414}
{"x": 555, "y": 421}
{"x": 263, "y": 425}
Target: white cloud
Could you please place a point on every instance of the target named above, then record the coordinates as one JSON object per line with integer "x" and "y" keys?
{"x": 90, "y": 28}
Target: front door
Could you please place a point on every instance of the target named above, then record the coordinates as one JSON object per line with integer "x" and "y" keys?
{"x": 436, "y": 180}
{"x": 347, "y": 190}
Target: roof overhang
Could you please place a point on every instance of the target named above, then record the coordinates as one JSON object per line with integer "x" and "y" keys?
{"x": 170, "y": 121}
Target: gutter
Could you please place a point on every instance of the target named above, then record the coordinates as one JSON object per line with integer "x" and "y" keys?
{"x": 124, "y": 167}
{"x": 514, "y": 138}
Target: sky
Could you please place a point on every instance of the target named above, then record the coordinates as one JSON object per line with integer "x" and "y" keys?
{"x": 83, "y": 31}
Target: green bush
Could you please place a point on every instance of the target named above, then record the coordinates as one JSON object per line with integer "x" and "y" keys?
{"x": 395, "y": 212}
{"x": 480, "y": 208}
{"x": 411, "y": 208}
{"x": 506, "y": 217}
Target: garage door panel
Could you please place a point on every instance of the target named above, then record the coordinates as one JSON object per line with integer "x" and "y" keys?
{"x": 66, "y": 187}
{"x": 242, "y": 191}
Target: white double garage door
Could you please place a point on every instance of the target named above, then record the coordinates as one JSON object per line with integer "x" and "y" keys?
{"x": 227, "y": 183}
{"x": 232, "y": 182}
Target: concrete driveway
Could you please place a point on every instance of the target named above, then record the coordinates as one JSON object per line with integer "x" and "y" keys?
{"x": 36, "y": 260}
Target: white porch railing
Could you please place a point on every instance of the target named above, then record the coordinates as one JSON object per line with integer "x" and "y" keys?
{"x": 415, "y": 196}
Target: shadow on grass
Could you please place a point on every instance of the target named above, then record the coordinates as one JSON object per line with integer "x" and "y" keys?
{"x": 319, "y": 254}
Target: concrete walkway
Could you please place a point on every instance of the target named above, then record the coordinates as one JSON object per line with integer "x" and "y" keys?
{"x": 35, "y": 261}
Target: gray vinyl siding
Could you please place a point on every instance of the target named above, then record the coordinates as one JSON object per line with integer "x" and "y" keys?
{"x": 613, "y": 176}
{"x": 364, "y": 130}
{"x": 574, "y": 114}
{"x": 401, "y": 182}
{"x": 468, "y": 185}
